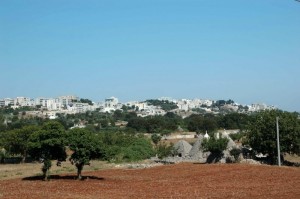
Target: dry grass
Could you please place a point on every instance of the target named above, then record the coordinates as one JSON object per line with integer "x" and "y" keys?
{"x": 292, "y": 158}
{"x": 12, "y": 171}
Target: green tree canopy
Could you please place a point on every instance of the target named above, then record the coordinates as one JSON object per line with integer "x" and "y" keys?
{"x": 233, "y": 121}
{"x": 164, "y": 104}
{"x": 48, "y": 144}
{"x": 17, "y": 140}
{"x": 262, "y": 137}
{"x": 122, "y": 146}
{"x": 85, "y": 146}
{"x": 199, "y": 123}
{"x": 216, "y": 147}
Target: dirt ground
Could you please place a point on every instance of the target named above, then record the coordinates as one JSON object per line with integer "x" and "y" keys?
{"x": 186, "y": 180}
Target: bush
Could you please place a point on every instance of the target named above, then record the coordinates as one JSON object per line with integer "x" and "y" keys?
{"x": 235, "y": 152}
{"x": 237, "y": 136}
{"x": 155, "y": 138}
{"x": 121, "y": 147}
{"x": 216, "y": 146}
{"x": 164, "y": 150}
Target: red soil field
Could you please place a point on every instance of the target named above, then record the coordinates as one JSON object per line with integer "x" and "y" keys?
{"x": 184, "y": 180}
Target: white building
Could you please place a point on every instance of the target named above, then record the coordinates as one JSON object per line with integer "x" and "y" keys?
{"x": 142, "y": 105}
{"x": 150, "y": 110}
{"x": 6, "y": 102}
{"x": 54, "y": 104}
{"x": 207, "y": 102}
{"x": 186, "y": 104}
{"x": 111, "y": 102}
{"x": 131, "y": 103}
{"x": 257, "y": 107}
{"x": 183, "y": 104}
{"x": 23, "y": 101}
{"x": 77, "y": 107}
{"x": 67, "y": 100}
{"x": 166, "y": 99}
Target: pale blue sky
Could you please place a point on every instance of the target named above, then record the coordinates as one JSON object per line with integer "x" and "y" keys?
{"x": 248, "y": 51}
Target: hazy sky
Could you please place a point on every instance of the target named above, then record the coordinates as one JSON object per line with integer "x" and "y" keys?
{"x": 248, "y": 51}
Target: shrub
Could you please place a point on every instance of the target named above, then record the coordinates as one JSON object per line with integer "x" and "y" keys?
{"x": 237, "y": 136}
{"x": 164, "y": 150}
{"x": 155, "y": 138}
{"x": 121, "y": 147}
{"x": 216, "y": 146}
{"x": 235, "y": 152}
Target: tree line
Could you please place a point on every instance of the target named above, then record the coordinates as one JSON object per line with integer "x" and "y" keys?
{"x": 51, "y": 141}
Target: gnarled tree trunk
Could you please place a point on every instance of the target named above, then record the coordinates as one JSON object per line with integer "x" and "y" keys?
{"x": 79, "y": 170}
{"x": 45, "y": 169}
{"x": 24, "y": 157}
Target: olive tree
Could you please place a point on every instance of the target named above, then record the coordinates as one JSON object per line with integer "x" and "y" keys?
{"x": 17, "y": 140}
{"x": 85, "y": 146}
{"x": 261, "y": 133}
{"x": 48, "y": 144}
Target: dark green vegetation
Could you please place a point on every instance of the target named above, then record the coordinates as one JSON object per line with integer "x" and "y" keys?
{"x": 164, "y": 104}
{"x": 105, "y": 136}
{"x": 103, "y": 122}
{"x": 17, "y": 140}
{"x": 122, "y": 146}
{"x": 156, "y": 124}
{"x": 163, "y": 150}
{"x": 235, "y": 152}
{"x": 216, "y": 147}
{"x": 261, "y": 134}
{"x": 155, "y": 138}
{"x": 48, "y": 143}
{"x": 85, "y": 146}
{"x": 44, "y": 140}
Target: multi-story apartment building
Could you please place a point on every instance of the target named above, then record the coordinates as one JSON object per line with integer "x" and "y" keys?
{"x": 67, "y": 100}
{"x": 111, "y": 102}
{"x": 77, "y": 107}
{"x": 22, "y": 101}
{"x": 6, "y": 102}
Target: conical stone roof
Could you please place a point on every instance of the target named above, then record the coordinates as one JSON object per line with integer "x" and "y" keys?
{"x": 231, "y": 144}
{"x": 197, "y": 152}
{"x": 182, "y": 148}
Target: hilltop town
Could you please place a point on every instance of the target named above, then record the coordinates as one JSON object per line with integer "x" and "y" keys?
{"x": 50, "y": 107}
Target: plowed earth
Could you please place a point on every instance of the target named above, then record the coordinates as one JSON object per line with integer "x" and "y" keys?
{"x": 185, "y": 180}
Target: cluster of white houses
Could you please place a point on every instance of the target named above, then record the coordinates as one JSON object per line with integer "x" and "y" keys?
{"x": 71, "y": 104}
{"x": 68, "y": 103}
